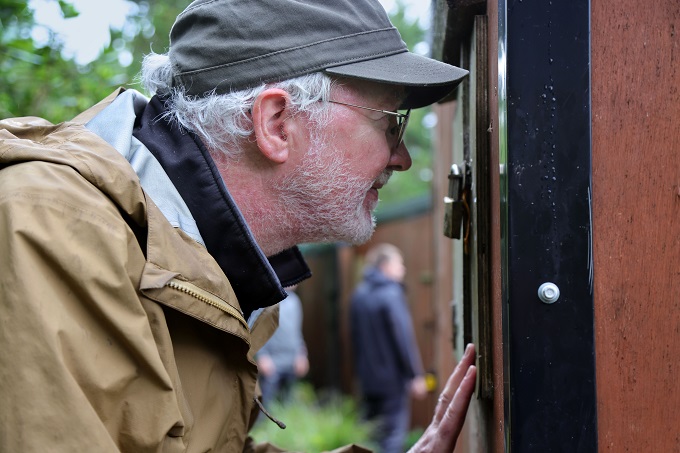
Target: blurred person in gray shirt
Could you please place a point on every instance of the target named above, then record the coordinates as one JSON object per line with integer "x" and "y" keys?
{"x": 283, "y": 359}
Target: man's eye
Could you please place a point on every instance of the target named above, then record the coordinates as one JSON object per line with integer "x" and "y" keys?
{"x": 394, "y": 129}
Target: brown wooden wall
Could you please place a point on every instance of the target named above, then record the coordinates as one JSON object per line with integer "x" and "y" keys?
{"x": 496, "y": 432}
{"x": 636, "y": 216}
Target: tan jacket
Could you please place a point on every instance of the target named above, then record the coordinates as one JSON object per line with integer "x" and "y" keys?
{"x": 117, "y": 331}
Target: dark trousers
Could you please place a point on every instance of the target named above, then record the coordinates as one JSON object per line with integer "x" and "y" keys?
{"x": 277, "y": 386}
{"x": 392, "y": 416}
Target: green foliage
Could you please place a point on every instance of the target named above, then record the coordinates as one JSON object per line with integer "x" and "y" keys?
{"x": 314, "y": 424}
{"x": 412, "y": 437}
{"x": 67, "y": 9}
{"x": 415, "y": 182}
{"x": 37, "y": 80}
{"x": 151, "y": 29}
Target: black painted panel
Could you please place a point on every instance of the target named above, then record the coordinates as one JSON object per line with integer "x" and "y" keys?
{"x": 550, "y": 347}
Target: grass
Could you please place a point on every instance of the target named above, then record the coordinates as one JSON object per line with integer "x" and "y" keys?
{"x": 314, "y": 424}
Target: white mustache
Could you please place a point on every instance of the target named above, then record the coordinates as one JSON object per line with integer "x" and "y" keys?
{"x": 383, "y": 177}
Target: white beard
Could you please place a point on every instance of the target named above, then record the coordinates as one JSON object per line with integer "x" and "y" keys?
{"x": 324, "y": 202}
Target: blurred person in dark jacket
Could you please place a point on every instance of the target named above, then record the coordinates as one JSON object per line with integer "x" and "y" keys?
{"x": 386, "y": 355}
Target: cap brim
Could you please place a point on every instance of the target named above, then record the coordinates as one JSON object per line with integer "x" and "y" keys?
{"x": 427, "y": 80}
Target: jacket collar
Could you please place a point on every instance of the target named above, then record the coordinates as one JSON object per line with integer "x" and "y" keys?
{"x": 257, "y": 281}
{"x": 375, "y": 276}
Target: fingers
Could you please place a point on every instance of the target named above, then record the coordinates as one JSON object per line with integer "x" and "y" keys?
{"x": 455, "y": 413}
{"x": 452, "y": 422}
{"x": 454, "y": 381}
{"x": 442, "y": 434}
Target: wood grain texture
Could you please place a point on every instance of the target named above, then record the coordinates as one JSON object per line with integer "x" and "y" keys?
{"x": 636, "y": 217}
{"x": 497, "y": 431}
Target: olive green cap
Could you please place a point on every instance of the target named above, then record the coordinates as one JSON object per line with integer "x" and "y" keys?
{"x": 229, "y": 45}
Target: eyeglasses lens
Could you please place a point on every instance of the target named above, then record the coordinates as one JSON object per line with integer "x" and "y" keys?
{"x": 403, "y": 122}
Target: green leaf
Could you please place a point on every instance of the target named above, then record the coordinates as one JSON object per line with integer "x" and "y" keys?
{"x": 68, "y": 10}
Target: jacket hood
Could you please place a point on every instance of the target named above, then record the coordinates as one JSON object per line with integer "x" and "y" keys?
{"x": 74, "y": 145}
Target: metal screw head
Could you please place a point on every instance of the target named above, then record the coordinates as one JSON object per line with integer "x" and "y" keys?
{"x": 548, "y": 293}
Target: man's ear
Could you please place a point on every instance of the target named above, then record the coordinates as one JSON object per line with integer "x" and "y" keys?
{"x": 270, "y": 111}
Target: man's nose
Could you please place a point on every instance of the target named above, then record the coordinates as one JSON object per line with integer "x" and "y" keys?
{"x": 400, "y": 160}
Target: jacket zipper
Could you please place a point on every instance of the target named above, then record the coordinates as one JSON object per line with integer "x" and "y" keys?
{"x": 204, "y": 296}
{"x": 207, "y": 298}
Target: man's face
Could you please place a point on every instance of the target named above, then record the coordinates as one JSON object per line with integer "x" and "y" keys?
{"x": 394, "y": 268}
{"x": 335, "y": 188}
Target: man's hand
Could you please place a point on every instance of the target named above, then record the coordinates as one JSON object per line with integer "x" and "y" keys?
{"x": 418, "y": 387}
{"x": 449, "y": 415}
{"x": 265, "y": 365}
{"x": 301, "y": 365}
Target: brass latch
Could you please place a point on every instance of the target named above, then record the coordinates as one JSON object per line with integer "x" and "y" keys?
{"x": 453, "y": 204}
{"x": 456, "y": 208}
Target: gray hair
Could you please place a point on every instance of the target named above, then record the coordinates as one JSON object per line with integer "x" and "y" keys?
{"x": 222, "y": 121}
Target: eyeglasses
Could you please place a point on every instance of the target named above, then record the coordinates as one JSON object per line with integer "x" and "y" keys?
{"x": 402, "y": 120}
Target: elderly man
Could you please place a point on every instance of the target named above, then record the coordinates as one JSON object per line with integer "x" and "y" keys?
{"x": 137, "y": 238}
